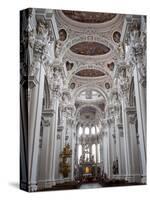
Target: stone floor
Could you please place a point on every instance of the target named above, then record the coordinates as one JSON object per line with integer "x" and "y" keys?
{"x": 90, "y": 185}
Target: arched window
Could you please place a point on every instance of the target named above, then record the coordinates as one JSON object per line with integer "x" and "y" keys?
{"x": 87, "y": 155}
{"x": 86, "y": 131}
{"x": 99, "y": 155}
{"x": 93, "y": 130}
{"x": 79, "y": 151}
{"x": 94, "y": 151}
{"x": 97, "y": 129}
{"x": 80, "y": 130}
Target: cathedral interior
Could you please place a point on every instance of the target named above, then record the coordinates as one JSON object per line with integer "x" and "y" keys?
{"x": 82, "y": 99}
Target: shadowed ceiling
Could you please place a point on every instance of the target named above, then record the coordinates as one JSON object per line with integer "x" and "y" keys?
{"x": 90, "y": 73}
{"x": 102, "y": 106}
{"x": 88, "y": 109}
{"x": 90, "y": 48}
{"x": 89, "y": 17}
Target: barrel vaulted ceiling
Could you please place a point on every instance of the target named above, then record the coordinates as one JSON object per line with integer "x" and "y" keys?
{"x": 89, "y": 45}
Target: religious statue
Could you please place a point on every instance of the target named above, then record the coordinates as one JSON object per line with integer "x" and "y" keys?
{"x": 87, "y": 159}
{"x": 81, "y": 159}
{"x": 92, "y": 159}
{"x": 121, "y": 50}
{"x": 115, "y": 167}
{"x": 58, "y": 48}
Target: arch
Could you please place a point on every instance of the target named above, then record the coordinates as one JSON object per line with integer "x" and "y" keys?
{"x": 93, "y": 132}
{"x": 90, "y": 66}
{"x": 80, "y": 130}
{"x": 87, "y": 131}
{"x": 97, "y": 129}
{"x": 98, "y": 152}
{"x": 99, "y": 89}
{"x": 89, "y": 105}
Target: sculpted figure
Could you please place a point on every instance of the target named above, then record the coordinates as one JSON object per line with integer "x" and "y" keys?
{"x": 121, "y": 50}
{"x": 58, "y": 48}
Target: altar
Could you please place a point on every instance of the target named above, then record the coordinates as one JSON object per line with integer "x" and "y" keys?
{"x": 87, "y": 168}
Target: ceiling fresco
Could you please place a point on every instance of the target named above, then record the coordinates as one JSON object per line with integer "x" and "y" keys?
{"x": 111, "y": 66}
{"x": 90, "y": 48}
{"x": 62, "y": 35}
{"x": 116, "y": 36}
{"x": 90, "y": 73}
{"x": 89, "y": 17}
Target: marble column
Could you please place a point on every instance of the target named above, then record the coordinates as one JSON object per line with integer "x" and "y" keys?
{"x": 34, "y": 120}
{"x": 61, "y": 134}
{"x": 122, "y": 153}
{"x": 138, "y": 59}
{"x": 90, "y": 145}
{"x": 105, "y": 152}
{"x": 134, "y": 142}
{"x": 109, "y": 147}
{"x": 77, "y": 144}
{"x": 44, "y": 150}
{"x": 53, "y": 138}
{"x": 83, "y": 136}
{"x": 126, "y": 140}
{"x": 96, "y": 145}
{"x": 119, "y": 150}
{"x": 140, "y": 95}
{"x": 73, "y": 150}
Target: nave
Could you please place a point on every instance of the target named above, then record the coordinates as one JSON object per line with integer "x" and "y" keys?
{"x": 82, "y": 99}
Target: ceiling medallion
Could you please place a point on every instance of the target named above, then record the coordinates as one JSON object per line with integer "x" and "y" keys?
{"x": 62, "y": 34}
{"x": 89, "y": 17}
{"x": 90, "y": 48}
{"x": 69, "y": 65}
{"x": 90, "y": 73}
{"x": 111, "y": 66}
{"x": 107, "y": 85}
{"x": 72, "y": 85}
{"x": 116, "y": 36}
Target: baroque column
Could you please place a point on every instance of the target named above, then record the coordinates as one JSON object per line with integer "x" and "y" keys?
{"x": 44, "y": 150}
{"x": 124, "y": 81}
{"x": 35, "y": 54}
{"x": 36, "y": 75}
{"x": 56, "y": 88}
{"x": 134, "y": 145}
{"x": 118, "y": 135}
{"x": 135, "y": 35}
{"x": 138, "y": 49}
{"x": 110, "y": 122}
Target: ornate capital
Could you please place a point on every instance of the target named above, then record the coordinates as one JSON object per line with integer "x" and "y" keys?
{"x": 110, "y": 120}
{"x": 29, "y": 76}
{"x": 132, "y": 116}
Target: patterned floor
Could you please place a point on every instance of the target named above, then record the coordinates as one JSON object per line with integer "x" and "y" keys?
{"x": 90, "y": 185}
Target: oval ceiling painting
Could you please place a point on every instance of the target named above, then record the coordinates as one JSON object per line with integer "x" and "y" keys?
{"x": 89, "y": 17}
{"x": 90, "y": 73}
{"x": 90, "y": 48}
